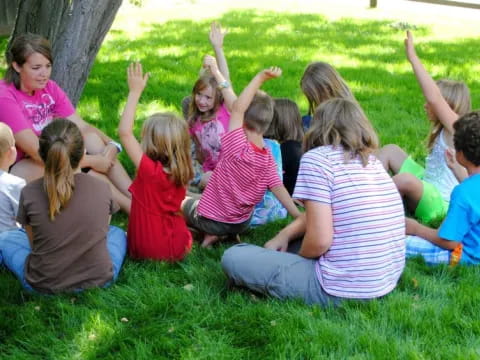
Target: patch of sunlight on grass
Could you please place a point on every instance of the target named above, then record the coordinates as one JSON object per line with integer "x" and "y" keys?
{"x": 171, "y": 50}
{"x": 95, "y": 331}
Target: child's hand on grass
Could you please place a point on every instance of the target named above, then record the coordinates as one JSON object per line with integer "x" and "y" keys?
{"x": 216, "y": 35}
{"x": 136, "y": 79}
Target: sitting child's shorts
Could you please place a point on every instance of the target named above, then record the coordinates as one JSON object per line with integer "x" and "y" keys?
{"x": 432, "y": 208}
{"x": 209, "y": 226}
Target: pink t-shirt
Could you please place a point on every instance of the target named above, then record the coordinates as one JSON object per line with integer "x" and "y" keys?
{"x": 367, "y": 254}
{"x": 243, "y": 174}
{"x": 208, "y": 135}
{"x": 21, "y": 111}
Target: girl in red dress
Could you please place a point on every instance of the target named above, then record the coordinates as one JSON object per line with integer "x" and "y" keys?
{"x": 156, "y": 227}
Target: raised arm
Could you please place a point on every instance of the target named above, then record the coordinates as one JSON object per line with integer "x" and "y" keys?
{"x": 136, "y": 83}
{"x": 430, "y": 90}
{"x": 229, "y": 96}
{"x": 216, "y": 39}
{"x": 241, "y": 105}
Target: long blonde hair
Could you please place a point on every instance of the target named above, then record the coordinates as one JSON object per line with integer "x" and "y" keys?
{"x": 342, "y": 122}
{"x": 457, "y": 96}
{"x": 320, "y": 82}
{"x": 61, "y": 149}
{"x": 165, "y": 138}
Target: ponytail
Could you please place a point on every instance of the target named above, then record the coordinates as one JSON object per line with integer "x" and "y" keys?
{"x": 61, "y": 148}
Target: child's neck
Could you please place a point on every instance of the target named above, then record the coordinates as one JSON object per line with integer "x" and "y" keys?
{"x": 255, "y": 138}
{"x": 473, "y": 170}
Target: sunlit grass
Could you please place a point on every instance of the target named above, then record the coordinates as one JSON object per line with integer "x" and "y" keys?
{"x": 432, "y": 314}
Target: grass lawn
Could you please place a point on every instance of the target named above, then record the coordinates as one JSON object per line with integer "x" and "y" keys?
{"x": 184, "y": 310}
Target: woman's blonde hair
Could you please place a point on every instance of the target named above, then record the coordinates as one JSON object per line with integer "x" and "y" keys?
{"x": 61, "y": 149}
{"x": 201, "y": 84}
{"x": 457, "y": 96}
{"x": 287, "y": 121}
{"x": 320, "y": 82}
{"x": 342, "y": 122}
{"x": 165, "y": 138}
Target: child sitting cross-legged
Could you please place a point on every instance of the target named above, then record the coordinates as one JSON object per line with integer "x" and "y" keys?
{"x": 458, "y": 238}
{"x": 246, "y": 169}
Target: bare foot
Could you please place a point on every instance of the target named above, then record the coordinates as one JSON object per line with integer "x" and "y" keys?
{"x": 208, "y": 240}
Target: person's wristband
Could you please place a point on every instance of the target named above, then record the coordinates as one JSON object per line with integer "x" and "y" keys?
{"x": 117, "y": 145}
{"x": 223, "y": 85}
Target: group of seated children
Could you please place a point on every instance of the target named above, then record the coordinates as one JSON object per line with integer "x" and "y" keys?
{"x": 349, "y": 243}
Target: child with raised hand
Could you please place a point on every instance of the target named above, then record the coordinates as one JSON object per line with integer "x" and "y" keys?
{"x": 156, "y": 228}
{"x": 210, "y": 107}
{"x": 245, "y": 169}
{"x": 10, "y": 185}
{"x": 66, "y": 243}
{"x": 427, "y": 191}
{"x": 458, "y": 238}
{"x": 287, "y": 129}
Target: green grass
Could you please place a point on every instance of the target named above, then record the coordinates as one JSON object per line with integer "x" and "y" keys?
{"x": 432, "y": 314}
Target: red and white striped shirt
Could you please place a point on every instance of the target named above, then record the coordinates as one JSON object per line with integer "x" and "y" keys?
{"x": 242, "y": 176}
{"x": 367, "y": 255}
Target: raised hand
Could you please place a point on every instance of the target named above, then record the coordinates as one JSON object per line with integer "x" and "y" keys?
{"x": 135, "y": 78}
{"x": 216, "y": 35}
{"x": 409, "y": 47}
{"x": 210, "y": 63}
{"x": 271, "y": 73}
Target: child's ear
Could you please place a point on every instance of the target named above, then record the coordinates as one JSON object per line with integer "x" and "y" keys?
{"x": 12, "y": 155}
{"x": 16, "y": 67}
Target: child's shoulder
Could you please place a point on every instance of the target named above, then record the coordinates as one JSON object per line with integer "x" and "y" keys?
{"x": 8, "y": 180}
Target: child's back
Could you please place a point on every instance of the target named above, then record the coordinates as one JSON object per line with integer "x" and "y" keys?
{"x": 156, "y": 228}
{"x": 10, "y": 188}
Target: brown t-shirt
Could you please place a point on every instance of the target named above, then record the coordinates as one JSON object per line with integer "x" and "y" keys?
{"x": 69, "y": 252}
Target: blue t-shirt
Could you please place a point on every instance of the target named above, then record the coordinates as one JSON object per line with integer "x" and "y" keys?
{"x": 462, "y": 222}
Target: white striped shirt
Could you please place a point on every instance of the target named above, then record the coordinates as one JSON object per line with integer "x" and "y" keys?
{"x": 242, "y": 176}
{"x": 367, "y": 255}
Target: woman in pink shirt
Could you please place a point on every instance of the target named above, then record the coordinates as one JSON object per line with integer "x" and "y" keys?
{"x": 29, "y": 101}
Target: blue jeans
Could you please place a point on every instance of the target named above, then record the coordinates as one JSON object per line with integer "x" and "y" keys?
{"x": 15, "y": 247}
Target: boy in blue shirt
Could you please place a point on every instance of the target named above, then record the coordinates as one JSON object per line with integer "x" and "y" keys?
{"x": 458, "y": 238}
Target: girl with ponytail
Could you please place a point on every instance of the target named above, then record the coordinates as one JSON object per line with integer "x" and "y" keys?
{"x": 66, "y": 243}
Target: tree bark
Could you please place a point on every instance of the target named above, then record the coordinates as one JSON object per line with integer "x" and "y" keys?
{"x": 76, "y": 29}
{"x": 8, "y": 11}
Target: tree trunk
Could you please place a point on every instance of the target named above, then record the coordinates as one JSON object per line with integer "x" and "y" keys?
{"x": 76, "y": 29}
{"x": 8, "y": 11}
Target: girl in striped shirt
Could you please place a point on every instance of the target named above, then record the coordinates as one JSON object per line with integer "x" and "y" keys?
{"x": 353, "y": 227}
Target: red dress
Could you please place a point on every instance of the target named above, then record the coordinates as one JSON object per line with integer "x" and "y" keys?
{"x": 156, "y": 227}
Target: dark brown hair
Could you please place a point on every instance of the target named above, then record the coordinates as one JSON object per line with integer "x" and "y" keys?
{"x": 287, "y": 121}
{"x": 22, "y": 47}
{"x": 467, "y": 136}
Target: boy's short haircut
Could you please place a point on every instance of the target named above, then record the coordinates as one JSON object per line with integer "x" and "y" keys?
{"x": 259, "y": 114}
{"x": 467, "y": 136}
{"x": 6, "y": 139}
